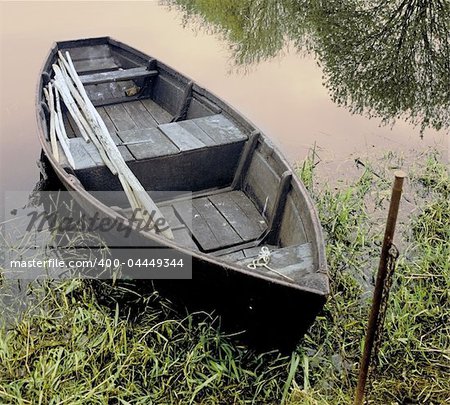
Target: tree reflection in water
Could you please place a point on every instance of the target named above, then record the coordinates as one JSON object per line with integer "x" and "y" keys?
{"x": 385, "y": 58}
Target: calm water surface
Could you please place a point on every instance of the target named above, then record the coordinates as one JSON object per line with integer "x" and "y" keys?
{"x": 283, "y": 97}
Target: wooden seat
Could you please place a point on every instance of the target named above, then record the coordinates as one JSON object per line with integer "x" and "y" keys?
{"x": 117, "y": 75}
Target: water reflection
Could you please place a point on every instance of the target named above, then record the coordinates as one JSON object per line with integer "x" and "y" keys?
{"x": 385, "y": 58}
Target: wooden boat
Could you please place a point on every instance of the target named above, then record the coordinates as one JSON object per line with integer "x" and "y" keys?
{"x": 176, "y": 135}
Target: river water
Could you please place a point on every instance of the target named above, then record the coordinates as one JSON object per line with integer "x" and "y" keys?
{"x": 284, "y": 97}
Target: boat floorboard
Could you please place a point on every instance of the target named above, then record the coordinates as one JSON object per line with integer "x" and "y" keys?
{"x": 218, "y": 221}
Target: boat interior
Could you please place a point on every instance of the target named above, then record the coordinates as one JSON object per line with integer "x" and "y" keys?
{"x": 174, "y": 136}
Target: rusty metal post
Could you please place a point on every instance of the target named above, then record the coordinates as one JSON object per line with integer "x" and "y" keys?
{"x": 378, "y": 293}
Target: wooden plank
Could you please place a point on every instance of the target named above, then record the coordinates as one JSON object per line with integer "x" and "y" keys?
{"x": 68, "y": 127}
{"x": 221, "y": 129}
{"x": 181, "y": 137}
{"x": 292, "y": 261}
{"x": 121, "y": 119}
{"x": 159, "y": 114}
{"x": 109, "y": 125}
{"x": 247, "y": 206}
{"x": 261, "y": 183}
{"x": 220, "y": 227}
{"x": 233, "y": 257}
{"x": 278, "y": 207}
{"x": 197, "y": 225}
{"x": 245, "y": 160}
{"x": 169, "y": 213}
{"x": 148, "y": 143}
{"x": 197, "y": 132}
{"x": 95, "y": 65}
{"x": 89, "y": 52}
{"x": 126, "y": 154}
{"x": 81, "y": 157}
{"x": 117, "y": 75}
{"x": 247, "y": 228}
{"x": 183, "y": 237}
{"x": 139, "y": 114}
{"x": 99, "y": 93}
{"x": 184, "y": 103}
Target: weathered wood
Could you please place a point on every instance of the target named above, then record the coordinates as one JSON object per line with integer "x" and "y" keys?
{"x": 109, "y": 125}
{"x": 184, "y": 238}
{"x": 233, "y": 257}
{"x": 197, "y": 109}
{"x": 247, "y": 206}
{"x": 95, "y": 65}
{"x": 291, "y": 261}
{"x": 292, "y": 229}
{"x": 196, "y": 224}
{"x": 117, "y": 75}
{"x": 261, "y": 183}
{"x": 245, "y": 159}
{"x": 126, "y": 154}
{"x": 166, "y": 92}
{"x": 181, "y": 137}
{"x": 184, "y": 103}
{"x": 247, "y": 228}
{"x": 137, "y": 195}
{"x": 69, "y": 129}
{"x": 50, "y": 101}
{"x": 278, "y": 210}
{"x": 139, "y": 114}
{"x": 119, "y": 116}
{"x": 99, "y": 93}
{"x": 197, "y": 132}
{"x": 90, "y": 52}
{"x": 147, "y": 143}
{"x": 173, "y": 220}
{"x": 221, "y": 129}
{"x": 81, "y": 156}
{"x": 159, "y": 114}
{"x": 220, "y": 227}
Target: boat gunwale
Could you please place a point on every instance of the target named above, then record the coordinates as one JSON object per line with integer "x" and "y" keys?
{"x": 315, "y": 233}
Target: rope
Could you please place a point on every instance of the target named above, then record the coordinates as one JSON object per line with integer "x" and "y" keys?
{"x": 263, "y": 260}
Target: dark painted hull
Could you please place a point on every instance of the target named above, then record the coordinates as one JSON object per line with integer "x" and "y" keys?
{"x": 274, "y": 313}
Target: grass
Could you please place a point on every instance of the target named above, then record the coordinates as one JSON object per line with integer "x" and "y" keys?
{"x": 68, "y": 348}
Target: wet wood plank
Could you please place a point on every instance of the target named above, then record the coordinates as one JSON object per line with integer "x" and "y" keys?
{"x": 89, "y": 52}
{"x": 221, "y": 129}
{"x": 219, "y": 226}
{"x": 139, "y": 114}
{"x": 181, "y": 137}
{"x": 197, "y": 225}
{"x": 248, "y": 228}
{"x": 95, "y": 65}
{"x": 159, "y": 114}
{"x": 117, "y": 75}
{"x": 119, "y": 116}
{"x": 147, "y": 143}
